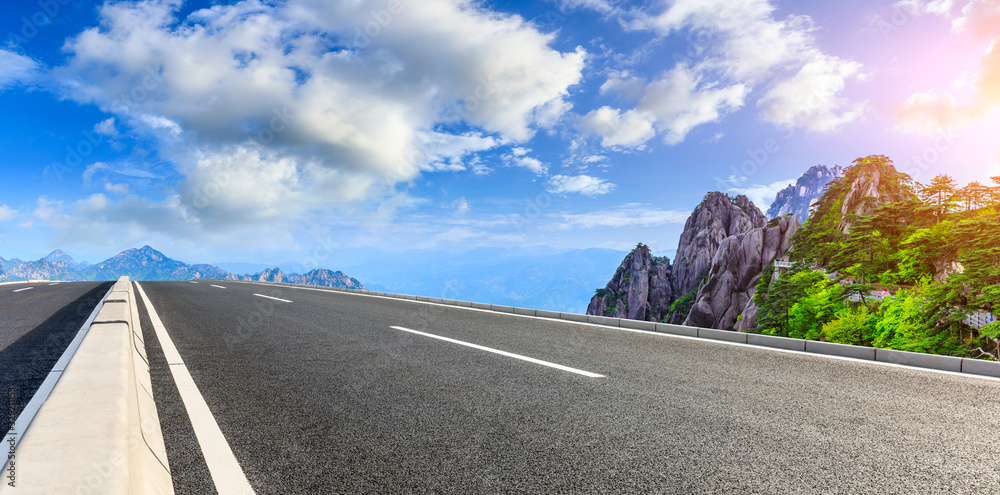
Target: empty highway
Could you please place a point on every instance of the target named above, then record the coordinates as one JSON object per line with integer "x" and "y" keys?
{"x": 322, "y": 392}
{"x": 37, "y": 321}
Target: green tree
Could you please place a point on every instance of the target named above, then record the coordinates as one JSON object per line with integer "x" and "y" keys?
{"x": 941, "y": 191}
{"x": 903, "y": 324}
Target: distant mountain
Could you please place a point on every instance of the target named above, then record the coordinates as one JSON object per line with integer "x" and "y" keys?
{"x": 147, "y": 263}
{"x": 807, "y": 190}
{"x": 59, "y": 256}
{"x": 42, "y": 269}
{"x": 319, "y": 277}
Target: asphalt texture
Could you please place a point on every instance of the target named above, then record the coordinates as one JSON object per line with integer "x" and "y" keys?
{"x": 320, "y": 395}
{"x": 36, "y": 326}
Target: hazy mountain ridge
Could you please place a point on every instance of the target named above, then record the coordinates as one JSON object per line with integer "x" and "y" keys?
{"x": 146, "y": 263}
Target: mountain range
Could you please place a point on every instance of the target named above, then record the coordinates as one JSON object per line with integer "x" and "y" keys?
{"x": 147, "y": 263}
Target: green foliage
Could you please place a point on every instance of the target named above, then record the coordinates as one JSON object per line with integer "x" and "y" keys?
{"x": 852, "y": 325}
{"x": 902, "y": 324}
{"x": 991, "y": 331}
{"x": 603, "y": 292}
{"x": 681, "y": 306}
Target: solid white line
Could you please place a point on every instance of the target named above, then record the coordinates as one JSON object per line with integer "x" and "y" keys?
{"x": 192, "y": 281}
{"x": 57, "y": 283}
{"x": 275, "y": 298}
{"x": 504, "y": 353}
{"x": 226, "y": 472}
{"x": 219, "y": 286}
{"x": 26, "y": 288}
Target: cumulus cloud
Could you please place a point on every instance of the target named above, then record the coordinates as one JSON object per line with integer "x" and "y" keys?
{"x": 628, "y": 215}
{"x": 519, "y": 157}
{"x": 579, "y": 184}
{"x": 617, "y": 128}
{"x": 740, "y": 45}
{"x": 810, "y": 98}
{"x": 15, "y": 68}
{"x": 317, "y": 101}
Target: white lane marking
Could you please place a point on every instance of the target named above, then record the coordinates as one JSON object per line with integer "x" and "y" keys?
{"x": 192, "y": 281}
{"x": 26, "y": 288}
{"x": 226, "y": 472}
{"x": 57, "y": 283}
{"x": 35, "y": 403}
{"x": 219, "y": 286}
{"x": 596, "y": 326}
{"x": 275, "y": 298}
{"x": 504, "y": 353}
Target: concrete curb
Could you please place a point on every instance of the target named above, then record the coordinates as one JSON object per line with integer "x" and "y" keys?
{"x": 912, "y": 359}
{"x": 98, "y": 431}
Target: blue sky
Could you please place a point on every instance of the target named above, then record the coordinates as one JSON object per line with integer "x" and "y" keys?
{"x": 274, "y": 131}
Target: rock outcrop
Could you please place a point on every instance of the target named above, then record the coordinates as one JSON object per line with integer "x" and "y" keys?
{"x": 797, "y": 198}
{"x": 727, "y": 294}
{"x": 641, "y": 289}
{"x": 328, "y": 278}
{"x": 715, "y": 219}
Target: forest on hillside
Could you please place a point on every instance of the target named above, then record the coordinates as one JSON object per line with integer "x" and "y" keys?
{"x": 886, "y": 261}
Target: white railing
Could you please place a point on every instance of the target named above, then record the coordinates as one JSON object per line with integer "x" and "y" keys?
{"x": 979, "y": 319}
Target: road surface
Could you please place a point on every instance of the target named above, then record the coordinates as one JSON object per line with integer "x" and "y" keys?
{"x": 320, "y": 392}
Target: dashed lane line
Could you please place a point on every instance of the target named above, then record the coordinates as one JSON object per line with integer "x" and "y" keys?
{"x": 503, "y": 353}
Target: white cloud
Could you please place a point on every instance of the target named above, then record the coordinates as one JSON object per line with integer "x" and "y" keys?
{"x": 93, "y": 169}
{"x": 579, "y": 184}
{"x": 810, "y": 98}
{"x": 15, "y": 69}
{"x": 7, "y": 213}
{"x": 116, "y": 188}
{"x": 616, "y": 128}
{"x": 518, "y": 157}
{"x": 681, "y": 101}
{"x": 46, "y": 209}
{"x": 107, "y": 127}
{"x": 598, "y": 5}
{"x": 761, "y": 195}
{"x": 740, "y": 45}
{"x": 628, "y": 215}
{"x": 334, "y": 114}
{"x": 461, "y": 206}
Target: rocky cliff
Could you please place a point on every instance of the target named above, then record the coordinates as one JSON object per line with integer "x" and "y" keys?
{"x": 642, "y": 288}
{"x": 727, "y": 294}
{"x": 645, "y": 287}
{"x": 797, "y": 198}
{"x": 715, "y": 219}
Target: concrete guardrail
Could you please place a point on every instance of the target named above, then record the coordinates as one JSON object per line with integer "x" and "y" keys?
{"x": 914, "y": 359}
{"x": 98, "y": 430}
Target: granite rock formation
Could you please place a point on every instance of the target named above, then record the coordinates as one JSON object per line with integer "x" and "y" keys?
{"x": 715, "y": 219}
{"x": 727, "y": 294}
{"x": 797, "y": 198}
{"x": 641, "y": 289}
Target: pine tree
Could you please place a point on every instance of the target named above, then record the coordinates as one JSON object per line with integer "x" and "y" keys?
{"x": 941, "y": 191}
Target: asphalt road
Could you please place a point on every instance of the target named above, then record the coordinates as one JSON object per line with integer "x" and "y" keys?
{"x": 323, "y": 395}
{"x": 37, "y": 321}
